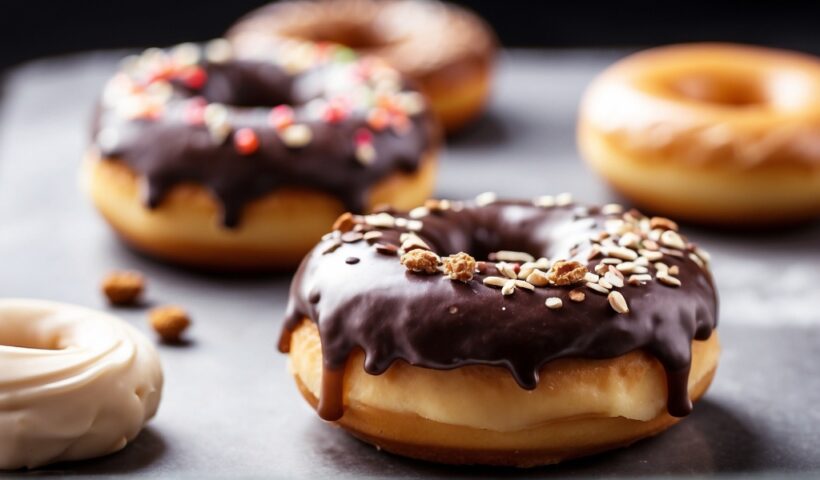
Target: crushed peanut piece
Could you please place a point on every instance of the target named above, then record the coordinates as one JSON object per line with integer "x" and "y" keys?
{"x": 495, "y": 281}
{"x": 459, "y": 267}
{"x": 667, "y": 279}
{"x": 617, "y": 302}
{"x": 169, "y": 322}
{"x": 512, "y": 256}
{"x": 344, "y": 223}
{"x": 664, "y": 223}
{"x": 420, "y": 261}
{"x": 577, "y": 295}
{"x": 566, "y": 273}
{"x": 123, "y": 288}
{"x": 554, "y": 303}
{"x": 670, "y": 238}
{"x": 413, "y": 242}
{"x": 538, "y": 278}
{"x": 508, "y": 288}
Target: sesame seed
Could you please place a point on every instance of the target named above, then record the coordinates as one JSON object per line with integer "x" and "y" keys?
{"x": 618, "y": 302}
{"x": 554, "y": 303}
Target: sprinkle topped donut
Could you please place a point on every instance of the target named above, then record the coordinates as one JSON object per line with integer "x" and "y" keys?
{"x": 515, "y": 286}
{"x": 307, "y": 117}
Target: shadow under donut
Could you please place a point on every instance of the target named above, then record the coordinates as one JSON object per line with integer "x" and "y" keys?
{"x": 711, "y": 440}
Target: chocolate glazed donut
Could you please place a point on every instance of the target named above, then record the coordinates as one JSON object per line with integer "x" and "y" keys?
{"x": 319, "y": 119}
{"x": 651, "y": 292}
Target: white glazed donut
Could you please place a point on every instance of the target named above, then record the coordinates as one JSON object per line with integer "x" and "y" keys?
{"x": 75, "y": 383}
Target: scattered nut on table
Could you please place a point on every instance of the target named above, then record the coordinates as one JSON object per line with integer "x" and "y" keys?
{"x": 123, "y": 287}
{"x": 169, "y": 322}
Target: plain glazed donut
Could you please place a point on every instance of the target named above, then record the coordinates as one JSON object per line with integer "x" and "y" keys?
{"x": 711, "y": 133}
{"x": 448, "y": 50}
{"x": 209, "y": 161}
{"x": 75, "y": 384}
{"x": 398, "y": 336}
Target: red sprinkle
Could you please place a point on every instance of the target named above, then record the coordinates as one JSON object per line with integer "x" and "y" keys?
{"x": 362, "y": 136}
{"x": 194, "y": 78}
{"x": 335, "y": 111}
{"x": 281, "y": 117}
{"x": 245, "y": 141}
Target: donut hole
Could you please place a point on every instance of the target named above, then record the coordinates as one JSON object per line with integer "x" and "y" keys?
{"x": 26, "y": 338}
{"x": 352, "y": 35}
{"x": 734, "y": 90}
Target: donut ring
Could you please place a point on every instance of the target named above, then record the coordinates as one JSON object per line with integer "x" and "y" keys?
{"x": 519, "y": 361}
{"x": 448, "y": 50}
{"x": 76, "y": 383}
{"x": 183, "y": 168}
{"x": 713, "y": 133}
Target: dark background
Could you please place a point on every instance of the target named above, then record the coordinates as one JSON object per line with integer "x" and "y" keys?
{"x": 30, "y": 29}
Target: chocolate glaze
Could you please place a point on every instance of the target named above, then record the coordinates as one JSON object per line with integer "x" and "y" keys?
{"x": 392, "y": 314}
{"x": 168, "y": 151}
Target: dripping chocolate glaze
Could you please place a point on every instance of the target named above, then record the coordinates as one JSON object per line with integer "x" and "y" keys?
{"x": 392, "y": 314}
{"x": 169, "y": 151}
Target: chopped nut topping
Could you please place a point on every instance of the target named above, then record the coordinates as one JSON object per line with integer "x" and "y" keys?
{"x": 612, "y": 209}
{"x": 617, "y": 302}
{"x": 577, "y": 295}
{"x": 596, "y": 288}
{"x": 413, "y": 242}
{"x": 419, "y": 212}
{"x": 650, "y": 245}
{"x": 664, "y": 223}
{"x": 639, "y": 279}
{"x": 169, "y": 322}
{"x": 630, "y": 240}
{"x": 508, "y": 288}
{"x": 351, "y": 237}
{"x": 538, "y": 278}
{"x": 345, "y": 222}
{"x": 554, "y": 303}
{"x": 332, "y": 247}
{"x": 614, "y": 279}
{"x": 506, "y": 269}
{"x": 420, "y": 261}
{"x": 386, "y": 248}
{"x": 372, "y": 235}
{"x": 563, "y": 199}
{"x": 383, "y": 220}
{"x": 524, "y": 285}
{"x": 620, "y": 252}
{"x": 486, "y": 198}
{"x": 651, "y": 255}
{"x": 671, "y": 239}
{"x": 544, "y": 201}
{"x": 459, "y": 267}
{"x": 123, "y": 288}
{"x": 703, "y": 255}
{"x": 674, "y": 270}
{"x": 591, "y": 277}
{"x": 668, "y": 280}
{"x": 566, "y": 273}
{"x": 511, "y": 256}
{"x": 495, "y": 281}
{"x": 437, "y": 205}
{"x": 697, "y": 260}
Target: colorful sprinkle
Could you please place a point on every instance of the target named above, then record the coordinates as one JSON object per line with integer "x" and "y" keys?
{"x": 378, "y": 119}
{"x": 296, "y": 136}
{"x": 246, "y": 141}
{"x": 281, "y": 117}
{"x": 194, "y": 78}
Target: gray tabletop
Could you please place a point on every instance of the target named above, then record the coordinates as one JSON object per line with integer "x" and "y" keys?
{"x": 230, "y": 408}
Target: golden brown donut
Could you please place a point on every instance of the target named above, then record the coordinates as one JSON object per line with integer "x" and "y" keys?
{"x": 189, "y": 163}
{"x": 448, "y": 50}
{"x": 277, "y": 229}
{"x": 600, "y": 332}
{"x": 713, "y": 133}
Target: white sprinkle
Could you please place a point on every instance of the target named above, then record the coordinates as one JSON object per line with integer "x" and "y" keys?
{"x": 218, "y": 51}
{"x": 419, "y": 212}
{"x": 365, "y": 153}
{"x": 296, "y": 135}
{"x": 415, "y": 225}
{"x": 186, "y": 54}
